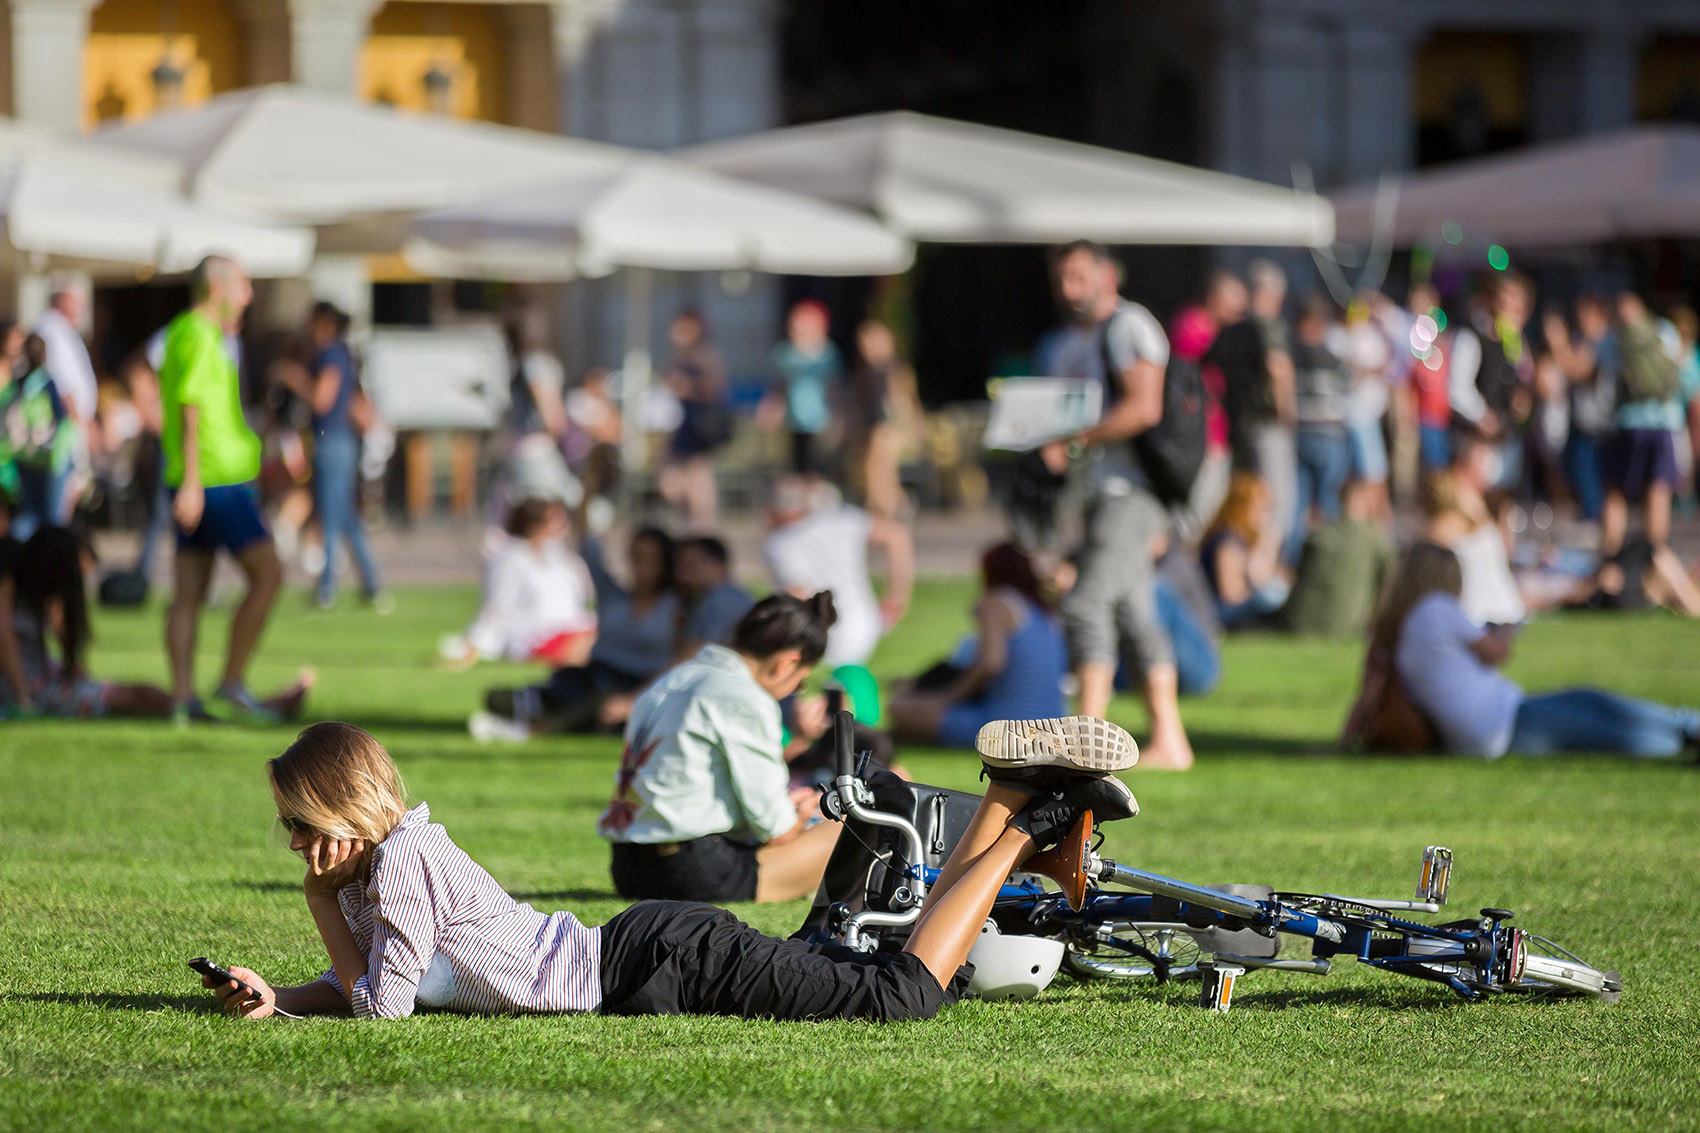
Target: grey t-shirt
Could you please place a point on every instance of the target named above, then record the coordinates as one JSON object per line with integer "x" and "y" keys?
{"x": 1133, "y": 335}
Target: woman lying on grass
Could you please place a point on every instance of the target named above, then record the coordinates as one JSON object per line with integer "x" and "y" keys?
{"x": 408, "y": 918}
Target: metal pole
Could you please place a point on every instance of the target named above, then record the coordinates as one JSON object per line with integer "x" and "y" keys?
{"x": 1242, "y": 907}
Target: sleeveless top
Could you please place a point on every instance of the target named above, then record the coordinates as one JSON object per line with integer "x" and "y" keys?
{"x": 1030, "y": 686}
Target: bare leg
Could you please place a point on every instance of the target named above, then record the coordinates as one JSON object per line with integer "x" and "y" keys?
{"x": 785, "y": 873}
{"x": 1614, "y": 523}
{"x": 1658, "y": 513}
{"x": 1097, "y": 683}
{"x": 265, "y": 575}
{"x": 191, "y": 577}
{"x": 999, "y": 806}
{"x": 1670, "y": 585}
{"x": 1168, "y": 748}
{"x": 953, "y": 917}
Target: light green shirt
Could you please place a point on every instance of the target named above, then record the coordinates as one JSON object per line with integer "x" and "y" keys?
{"x": 703, "y": 756}
{"x": 197, "y": 371}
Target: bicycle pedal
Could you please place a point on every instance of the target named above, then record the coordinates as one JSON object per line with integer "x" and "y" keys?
{"x": 1436, "y": 875}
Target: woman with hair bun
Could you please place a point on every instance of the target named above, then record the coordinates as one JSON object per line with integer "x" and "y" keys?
{"x": 703, "y": 809}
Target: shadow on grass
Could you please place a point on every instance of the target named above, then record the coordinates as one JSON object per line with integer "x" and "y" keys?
{"x": 195, "y": 1004}
{"x": 1402, "y": 996}
{"x": 1244, "y": 743}
{"x": 564, "y": 895}
{"x": 267, "y": 886}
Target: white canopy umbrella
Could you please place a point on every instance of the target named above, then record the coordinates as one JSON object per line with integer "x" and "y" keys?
{"x": 940, "y": 180}
{"x": 355, "y": 170}
{"x": 653, "y": 214}
{"x": 64, "y": 203}
{"x": 1639, "y": 182}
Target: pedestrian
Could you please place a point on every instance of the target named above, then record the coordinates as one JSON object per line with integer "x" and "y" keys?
{"x": 809, "y": 370}
{"x": 1257, "y": 390}
{"x": 331, "y": 388}
{"x": 1192, "y": 333}
{"x": 1640, "y": 459}
{"x": 68, "y": 362}
{"x": 1319, "y": 401}
{"x": 882, "y": 393}
{"x": 1112, "y": 608}
{"x": 697, "y": 377}
{"x": 212, "y": 459}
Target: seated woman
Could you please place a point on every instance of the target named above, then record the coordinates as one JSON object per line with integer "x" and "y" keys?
{"x": 703, "y": 809}
{"x": 43, "y": 600}
{"x": 1017, "y": 668}
{"x": 408, "y": 919}
{"x": 635, "y": 633}
{"x": 537, "y": 596}
{"x": 1456, "y": 515}
{"x": 1448, "y": 666}
{"x": 1241, "y": 555}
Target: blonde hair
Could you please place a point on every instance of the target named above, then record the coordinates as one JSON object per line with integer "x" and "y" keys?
{"x": 340, "y": 781}
{"x": 1244, "y": 508}
{"x": 1440, "y": 496}
{"x": 1427, "y": 567}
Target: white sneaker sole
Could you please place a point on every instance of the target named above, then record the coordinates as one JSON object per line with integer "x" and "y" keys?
{"x": 1083, "y": 743}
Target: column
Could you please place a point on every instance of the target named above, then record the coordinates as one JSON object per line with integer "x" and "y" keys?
{"x": 1583, "y": 82}
{"x": 532, "y": 98}
{"x": 325, "y": 41}
{"x": 1378, "y": 135}
{"x": 47, "y": 61}
{"x": 265, "y": 41}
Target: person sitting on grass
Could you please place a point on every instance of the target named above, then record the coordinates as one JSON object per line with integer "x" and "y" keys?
{"x": 1241, "y": 555}
{"x": 409, "y": 920}
{"x": 537, "y": 596}
{"x": 703, "y": 809}
{"x": 43, "y": 602}
{"x": 1344, "y": 566}
{"x": 1018, "y": 665}
{"x": 635, "y": 634}
{"x": 713, "y": 602}
{"x": 1448, "y": 665}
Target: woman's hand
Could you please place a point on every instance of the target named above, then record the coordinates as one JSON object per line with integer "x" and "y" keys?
{"x": 331, "y": 864}
{"x": 244, "y": 1005}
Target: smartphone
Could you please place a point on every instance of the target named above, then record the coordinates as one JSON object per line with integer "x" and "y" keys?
{"x": 219, "y": 973}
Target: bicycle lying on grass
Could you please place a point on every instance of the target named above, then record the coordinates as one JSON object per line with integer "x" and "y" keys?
{"x": 898, "y": 835}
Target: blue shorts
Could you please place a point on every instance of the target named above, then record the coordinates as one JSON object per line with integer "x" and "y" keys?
{"x": 230, "y": 520}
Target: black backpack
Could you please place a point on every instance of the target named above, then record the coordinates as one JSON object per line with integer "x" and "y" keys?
{"x": 1172, "y": 451}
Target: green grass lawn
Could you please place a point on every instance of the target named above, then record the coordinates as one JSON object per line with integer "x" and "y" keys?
{"x": 126, "y": 848}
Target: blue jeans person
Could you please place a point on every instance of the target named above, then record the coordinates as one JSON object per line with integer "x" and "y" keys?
{"x": 1582, "y": 469}
{"x": 1324, "y": 461}
{"x": 1198, "y": 663}
{"x": 336, "y": 476}
{"x": 41, "y": 499}
{"x": 1591, "y": 719}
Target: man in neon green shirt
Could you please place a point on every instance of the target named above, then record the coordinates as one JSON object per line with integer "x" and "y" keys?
{"x": 211, "y": 461}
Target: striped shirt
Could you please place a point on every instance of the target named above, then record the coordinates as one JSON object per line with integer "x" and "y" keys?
{"x": 439, "y": 931}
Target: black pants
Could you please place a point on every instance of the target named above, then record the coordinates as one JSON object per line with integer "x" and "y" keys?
{"x": 672, "y": 958}
{"x": 571, "y": 698}
{"x": 714, "y": 868}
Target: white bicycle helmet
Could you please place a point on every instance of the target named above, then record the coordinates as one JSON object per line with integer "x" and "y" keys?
{"x": 1012, "y": 967}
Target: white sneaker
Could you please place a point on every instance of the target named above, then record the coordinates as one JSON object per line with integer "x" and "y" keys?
{"x": 487, "y": 727}
{"x": 1037, "y": 750}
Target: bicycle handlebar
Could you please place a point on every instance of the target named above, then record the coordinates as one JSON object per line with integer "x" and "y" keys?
{"x": 844, "y": 737}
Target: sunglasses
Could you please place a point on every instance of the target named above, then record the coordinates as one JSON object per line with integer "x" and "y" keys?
{"x": 294, "y": 825}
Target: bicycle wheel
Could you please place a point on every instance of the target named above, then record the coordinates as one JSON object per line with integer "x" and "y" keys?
{"x": 1127, "y": 950}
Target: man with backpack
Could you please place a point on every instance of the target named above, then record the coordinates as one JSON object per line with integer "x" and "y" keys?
{"x": 1640, "y": 458}
{"x": 1141, "y": 457}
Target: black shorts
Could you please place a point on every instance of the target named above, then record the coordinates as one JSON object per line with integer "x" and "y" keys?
{"x": 673, "y": 958}
{"x": 714, "y": 868}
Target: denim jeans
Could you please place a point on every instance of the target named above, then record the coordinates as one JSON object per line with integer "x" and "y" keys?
{"x": 1582, "y": 469}
{"x": 1591, "y": 719}
{"x": 1198, "y": 663}
{"x": 336, "y": 474}
{"x": 1324, "y": 461}
{"x": 41, "y": 500}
